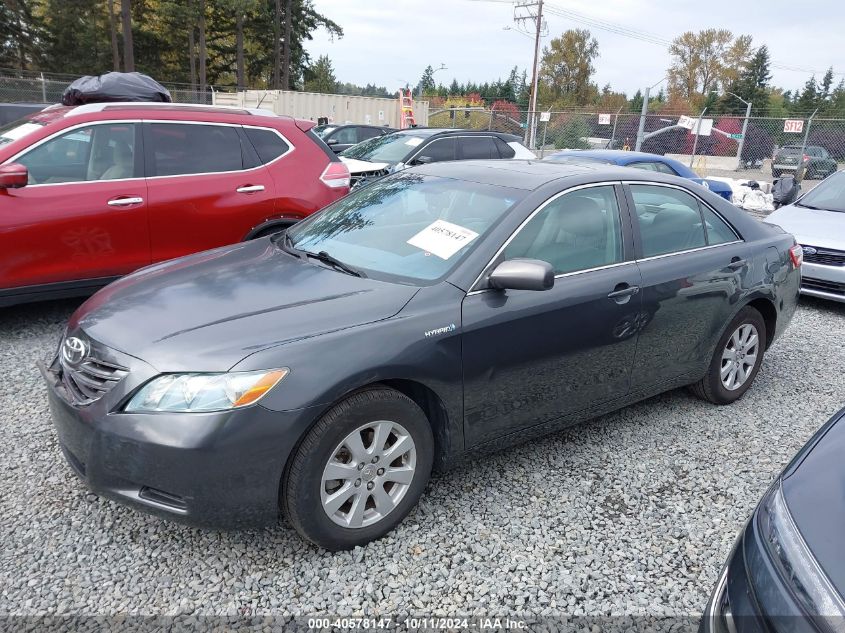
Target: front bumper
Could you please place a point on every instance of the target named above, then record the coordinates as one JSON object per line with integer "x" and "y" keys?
{"x": 825, "y": 282}
{"x": 220, "y": 470}
{"x": 750, "y": 596}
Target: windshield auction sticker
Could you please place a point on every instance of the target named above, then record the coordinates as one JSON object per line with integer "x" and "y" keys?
{"x": 442, "y": 238}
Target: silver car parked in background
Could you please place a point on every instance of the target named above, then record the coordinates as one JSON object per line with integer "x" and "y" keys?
{"x": 817, "y": 220}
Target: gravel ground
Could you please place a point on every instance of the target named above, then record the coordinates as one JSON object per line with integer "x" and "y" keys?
{"x": 632, "y": 513}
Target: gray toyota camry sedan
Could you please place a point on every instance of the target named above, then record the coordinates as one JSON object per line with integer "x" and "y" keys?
{"x": 448, "y": 310}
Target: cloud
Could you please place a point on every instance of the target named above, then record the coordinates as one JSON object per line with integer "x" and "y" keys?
{"x": 391, "y": 42}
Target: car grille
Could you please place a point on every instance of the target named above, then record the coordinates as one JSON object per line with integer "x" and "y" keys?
{"x": 364, "y": 176}
{"x": 88, "y": 381}
{"x": 826, "y": 257}
{"x": 833, "y": 287}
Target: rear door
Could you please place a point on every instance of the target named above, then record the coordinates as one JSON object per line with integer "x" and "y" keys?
{"x": 206, "y": 186}
{"x": 693, "y": 265}
{"x": 83, "y": 215}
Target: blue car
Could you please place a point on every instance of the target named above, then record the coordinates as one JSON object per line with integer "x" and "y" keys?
{"x": 642, "y": 160}
{"x": 786, "y": 571}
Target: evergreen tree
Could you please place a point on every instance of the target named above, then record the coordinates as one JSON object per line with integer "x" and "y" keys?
{"x": 636, "y": 102}
{"x": 454, "y": 88}
{"x": 752, "y": 84}
{"x": 808, "y": 101}
{"x": 320, "y": 76}
{"x": 426, "y": 85}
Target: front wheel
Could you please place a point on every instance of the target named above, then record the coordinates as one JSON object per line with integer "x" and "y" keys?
{"x": 736, "y": 361}
{"x": 360, "y": 470}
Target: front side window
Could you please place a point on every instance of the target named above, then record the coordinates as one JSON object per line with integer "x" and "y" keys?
{"x": 96, "y": 152}
{"x": 437, "y": 151}
{"x": 577, "y": 231}
{"x": 407, "y": 227}
{"x": 346, "y": 136}
{"x": 669, "y": 220}
{"x": 181, "y": 148}
{"x": 365, "y": 133}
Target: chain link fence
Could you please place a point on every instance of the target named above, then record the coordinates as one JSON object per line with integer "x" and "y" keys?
{"x": 759, "y": 148}
{"x": 28, "y": 87}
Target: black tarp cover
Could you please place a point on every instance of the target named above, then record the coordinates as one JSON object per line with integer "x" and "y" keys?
{"x": 114, "y": 87}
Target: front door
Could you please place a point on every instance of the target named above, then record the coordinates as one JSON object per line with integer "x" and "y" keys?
{"x": 83, "y": 215}
{"x": 530, "y": 357}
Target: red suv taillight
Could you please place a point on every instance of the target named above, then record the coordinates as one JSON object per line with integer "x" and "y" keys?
{"x": 336, "y": 176}
{"x": 796, "y": 254}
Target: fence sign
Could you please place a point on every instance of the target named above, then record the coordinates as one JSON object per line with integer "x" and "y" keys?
{"x": 604, "y": 119}
{"x": 736, "y": 136}
{"x": 686, "y": 121}
{"x": 545, "y": 116}
{"x": 793, "y": 125}
{"x": 381, "y": 115}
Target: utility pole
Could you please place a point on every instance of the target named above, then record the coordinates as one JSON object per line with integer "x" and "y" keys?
{"x": 537, "y": 19}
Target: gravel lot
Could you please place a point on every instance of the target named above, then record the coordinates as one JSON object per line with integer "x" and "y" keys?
{"x": 632, "y": 513}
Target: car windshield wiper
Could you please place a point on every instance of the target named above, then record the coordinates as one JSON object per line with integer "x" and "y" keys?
{"x": 323, "y": 256}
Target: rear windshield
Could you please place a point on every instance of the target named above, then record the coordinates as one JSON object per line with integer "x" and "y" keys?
{"x": 18, "y": 129}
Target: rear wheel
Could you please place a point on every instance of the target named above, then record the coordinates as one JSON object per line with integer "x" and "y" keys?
{"x": 360, "y": 470}
{"x": 736, "y": 361}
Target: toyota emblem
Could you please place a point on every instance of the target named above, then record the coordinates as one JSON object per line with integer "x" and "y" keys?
{"x": 74, "y": 350}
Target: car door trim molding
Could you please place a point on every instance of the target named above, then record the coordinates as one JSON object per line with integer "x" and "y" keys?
{"x": 530, "y": 217}
{"x": 57, "y": 133}
{"x": 689, "y": 250}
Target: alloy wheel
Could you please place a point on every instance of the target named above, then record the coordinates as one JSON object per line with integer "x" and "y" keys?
{"x": 368, "y": 474}
{"x": 739, "y": 356}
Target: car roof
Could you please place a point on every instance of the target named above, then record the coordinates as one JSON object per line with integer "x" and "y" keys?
{"x": 531, "y": 174}
{"x": 618, "y": 156}
{"x": 446, "y": 131}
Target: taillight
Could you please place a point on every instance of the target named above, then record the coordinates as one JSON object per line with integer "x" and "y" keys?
{"x": 336, "y": 175}
{"x": 796, "y": 254}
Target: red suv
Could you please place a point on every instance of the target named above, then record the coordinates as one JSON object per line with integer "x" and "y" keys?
{"x": 93, "y": 192}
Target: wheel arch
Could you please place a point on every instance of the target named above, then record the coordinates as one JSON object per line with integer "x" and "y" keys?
{"x": 281, "y": 223}
{"x": 769, "y": 312}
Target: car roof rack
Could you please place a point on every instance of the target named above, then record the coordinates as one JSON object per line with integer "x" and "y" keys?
{"x": 136, "y": 105}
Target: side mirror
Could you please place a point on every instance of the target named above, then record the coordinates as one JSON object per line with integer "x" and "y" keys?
{"x": 523, "y": 274}
{"x": 332, "y": 141}
{"x": 13, "y": 176}
{"x": 423, "y": 160}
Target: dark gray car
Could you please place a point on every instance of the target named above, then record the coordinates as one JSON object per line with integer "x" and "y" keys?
{"x": 447, "y": 310}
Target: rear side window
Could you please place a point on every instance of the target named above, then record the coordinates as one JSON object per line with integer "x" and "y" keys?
{"x": 669, "y": 219}
{"x": 717, "y": 231}
{"x": 180, "y": 148}
{"x": 505, "y": 150}
{"x": 267, "y": 143}
{"x": 478, "y": 147}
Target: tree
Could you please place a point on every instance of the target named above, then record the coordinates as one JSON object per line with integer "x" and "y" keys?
{"x": 808, "y": 100}
{"x": 567, "y": 65}
{"x": 454, "y": 88}
{"x": 752, "y": 84}
{"x": 320, "y": 77}
{"x": 128, "y": 45}
{"x": 636, "y": 102}
{"x": 115, "y": 51}
{"x": 426, "y": 84}
{"x": 703, "y": 62}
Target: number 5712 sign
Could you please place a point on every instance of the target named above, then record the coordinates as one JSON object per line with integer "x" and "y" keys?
{"x": 793, "y": 125}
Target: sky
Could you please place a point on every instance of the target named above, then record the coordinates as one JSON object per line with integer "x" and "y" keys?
{"x": 389, "y": 43}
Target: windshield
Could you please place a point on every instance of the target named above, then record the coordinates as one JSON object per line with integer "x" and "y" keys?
{"x": 829, "y": 194}
{"x": 390, "y": 148}
{"x": 324, "y": 130}
{"x": 406, "y": 227}
{"x": 18, "y": 129}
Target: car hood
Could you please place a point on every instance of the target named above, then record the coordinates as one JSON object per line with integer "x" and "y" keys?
{"x": 356, "y": 166}
{"x": 208, "y": 311}
{"x": 814, "y": 491}
{"x": 811, "y": 226}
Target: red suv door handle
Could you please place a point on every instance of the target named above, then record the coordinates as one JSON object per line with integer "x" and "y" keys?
{"x": 124, "y": 202}
{"x": 250, "y": 188}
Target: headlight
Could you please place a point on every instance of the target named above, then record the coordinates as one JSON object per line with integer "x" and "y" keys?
{"x": 204, "y": 392}
{"x": 796, "y": 563}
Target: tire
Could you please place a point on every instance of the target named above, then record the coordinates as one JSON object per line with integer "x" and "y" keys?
{"x": 713, "y": 387}
{"x": 311, "y": 500}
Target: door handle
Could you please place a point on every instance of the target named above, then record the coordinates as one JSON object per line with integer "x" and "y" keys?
{"x": 124, "y": 202}
{"x": 250, "y": 188}
{"x": 623, "y": 293}
{"x": 737, "y": 263}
